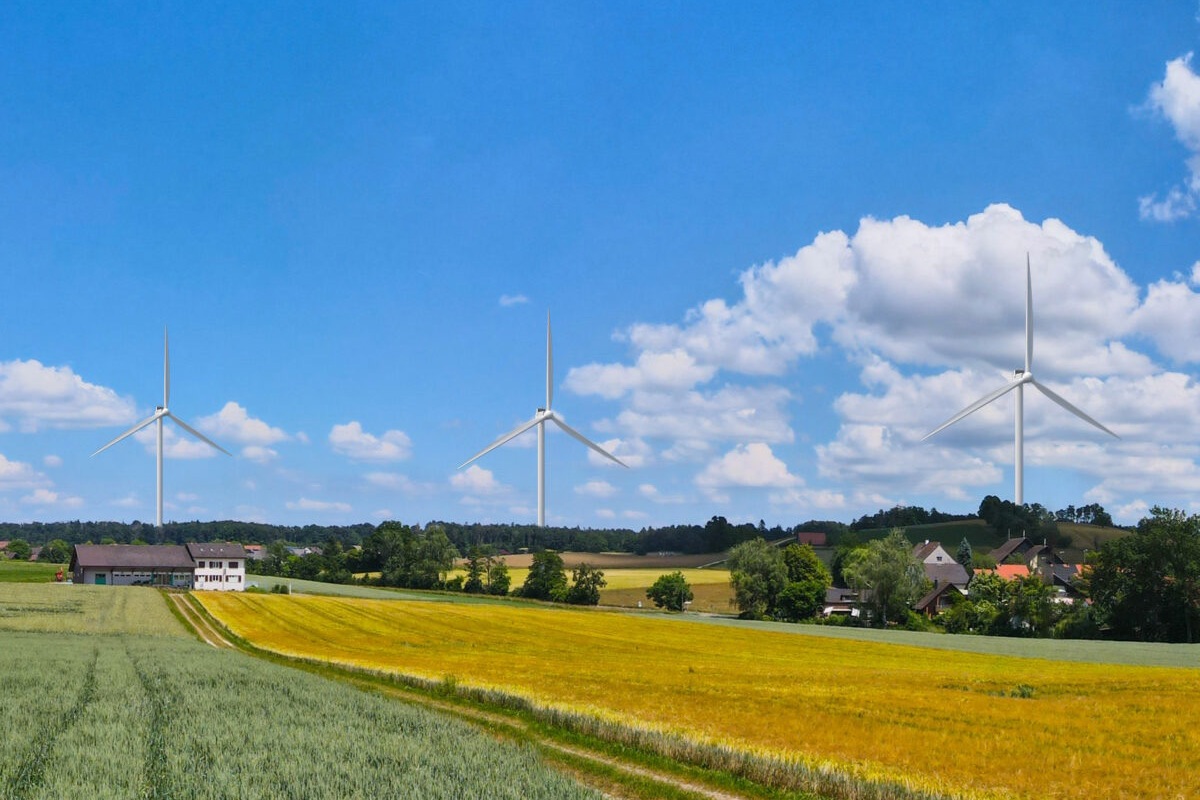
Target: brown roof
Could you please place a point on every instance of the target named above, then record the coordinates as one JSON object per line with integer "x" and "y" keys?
{"x": 1011, "y": 546}
{"x": 923, "y": 551}
{"x": 216, "y": 550}
{"x": 933, "y": 595}
{"x": 952, "y": 572}
{"x": 144, "y": 556}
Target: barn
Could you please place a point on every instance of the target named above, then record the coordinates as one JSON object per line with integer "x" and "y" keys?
{"x": 212, "y": 566}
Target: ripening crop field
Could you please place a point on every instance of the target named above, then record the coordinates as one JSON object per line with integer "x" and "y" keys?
{"x": 958, "y": 723}
{"x": 145, "y": 711}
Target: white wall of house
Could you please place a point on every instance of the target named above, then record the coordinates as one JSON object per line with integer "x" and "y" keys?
{"x": 221, "y": 575}
{"x": 939, "y": 556}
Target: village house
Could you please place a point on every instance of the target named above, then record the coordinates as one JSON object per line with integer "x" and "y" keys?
{"x": 218, "y": 567}
{"x": 940, "y": 567}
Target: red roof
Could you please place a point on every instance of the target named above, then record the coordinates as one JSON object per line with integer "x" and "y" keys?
{"x": 1007, "y": 571}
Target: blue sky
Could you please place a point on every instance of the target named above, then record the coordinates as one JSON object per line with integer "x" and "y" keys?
{"x": 779, "y": 243}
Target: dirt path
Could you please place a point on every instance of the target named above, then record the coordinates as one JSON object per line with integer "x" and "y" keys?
{"x": 210, "y": 631}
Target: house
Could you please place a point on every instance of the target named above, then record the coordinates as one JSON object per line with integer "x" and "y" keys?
{"x": 255, "y": 552}
{"x": 1013, "y": 547}
{"x": 840, "y": 603}
{"x": 220, "y": 567}
{"x": 1007, "y": 571}
{"x": 939, "y": 599}
{"x": 812, "y": 538}
{"x": 939, "y": 566}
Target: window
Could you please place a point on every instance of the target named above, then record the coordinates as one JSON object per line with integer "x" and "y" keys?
{"x": 233, "y": 565}
{"x": 200, "y": 564}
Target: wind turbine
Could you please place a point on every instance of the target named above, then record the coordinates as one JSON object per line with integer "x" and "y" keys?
{"x": 1018, "y": 381}
{"x": 161, "y": 413}
{"x": 540, "y": 419}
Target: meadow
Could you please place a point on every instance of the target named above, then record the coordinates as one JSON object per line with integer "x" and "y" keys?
{"x": 931, "y": 721}
{"x": 135, "y": 707}
{"x": 28, "y": 571}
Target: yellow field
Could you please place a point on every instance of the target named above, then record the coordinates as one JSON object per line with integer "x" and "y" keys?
{"x": 639, "y": 578}
{"x": 934, "y": 719}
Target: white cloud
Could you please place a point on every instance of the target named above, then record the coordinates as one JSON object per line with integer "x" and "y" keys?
{"x": 175, "y": 444}
{"x": 507, "y": 300}
{"x": 475, "y": 480}
{"x": 747, "y": 465}
{"x": 633, "y": 452}
{"x": 40, "y": 396}
{"x": 605, "y": 513}
{"x": 596, "y": 489}
{"x": 233, "y": 424}
{"x": 352, "y": 441}
{"x": 186, "y": 497}
{"x": 46, "y": 497}
{"x": 306, "y": 504}
{"x": 52, "y": 461}
{"x": 128, "y": 501}
{"x": 651, "y": 493}
{"x": 668, "y": 371}
{"x": 259, "y": 454}
{"x": 395, "y": 482}
{"x": 19, "y": 475}
{"x": 1177, "y": 100}
{"x": 732, "y": 413}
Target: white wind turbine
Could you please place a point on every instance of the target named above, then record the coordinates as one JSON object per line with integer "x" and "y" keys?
{"x": 161, "y": 413}
{"x": 1019, "y": 379}
{"x": 540, "y": 419}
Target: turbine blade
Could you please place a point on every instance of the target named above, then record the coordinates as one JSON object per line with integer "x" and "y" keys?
{"x": 129, "y": 432}
{"x": 196, "y": 433}
{"x": 514, "y": 433}
{"x": 1062, "y": 402}
{"x": 1028, "y": 316}
{"x": 166, "y": 371}
{"x": 586, "y": 440}
{"x": 549, "y": 366}
{"x": 978, "y": 404}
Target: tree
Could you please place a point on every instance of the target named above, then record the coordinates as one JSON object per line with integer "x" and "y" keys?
{"x": 1146, "y": 586}
{"x": 670, "y": 591}
{"x": 808, "y": 578}
{"x": 888, "y": 568}
{"x": 56, "y": 551}
{"x": 547, "y": 578}
{"x": 476, "y": 569}
{"x": 586, "y": 583}
{"x": 757, "y": 574}
{"x": 498, "y": 579}
{"x": 19, "y": 549}
{"x": 965, "y": 555}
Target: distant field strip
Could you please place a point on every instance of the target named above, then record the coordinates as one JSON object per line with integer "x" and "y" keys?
{"x": 131, "y": 715}
{"x": 640, "y": 578}
{"x": 933, "y": 720}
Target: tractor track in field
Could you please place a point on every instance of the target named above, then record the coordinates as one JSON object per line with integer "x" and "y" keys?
{"x": 568, "y": 758}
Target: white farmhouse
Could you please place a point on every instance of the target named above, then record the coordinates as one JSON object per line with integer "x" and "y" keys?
{"x": 211, "y": 566}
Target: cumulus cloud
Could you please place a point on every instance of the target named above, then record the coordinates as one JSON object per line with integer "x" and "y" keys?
{"x": 352, "y": 441}
{"x": 395, "y": 482}
{"x": 19, "y": 475}
{"x": 1177, "y": 100}
{"x": 634, "y": 452}
{"x": 475, "y": 480}
{"x": 259, "y": 454}
{"x": 596, "y": 489}
{"x": 46, "y": 497}
{"x": 747, "y": 465}
{"x": 37, "y": 396}
{"x": 52, "y": 461}
{"x": 234, "y": 424}
{"x": 175, "y": 444}
{"x": 507, "y": 300}
{"x": 307, "y": 504}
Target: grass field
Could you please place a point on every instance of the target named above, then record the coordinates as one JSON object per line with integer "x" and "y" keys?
{"x": 141, "y": 710}
{"x": 928, "y": 719}
{"x": 28, "y": 571}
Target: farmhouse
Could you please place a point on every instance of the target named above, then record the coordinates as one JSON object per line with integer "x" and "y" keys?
{"x": 219, "y": 567}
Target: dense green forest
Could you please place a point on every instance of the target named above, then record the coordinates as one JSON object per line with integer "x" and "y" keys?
{"x": 716, "y": 535}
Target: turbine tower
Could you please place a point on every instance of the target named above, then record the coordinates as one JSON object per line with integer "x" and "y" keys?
{"x": 161, "y": 413}
{"x": 540, "y": 419}
{"x": 1018, "y": 381}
